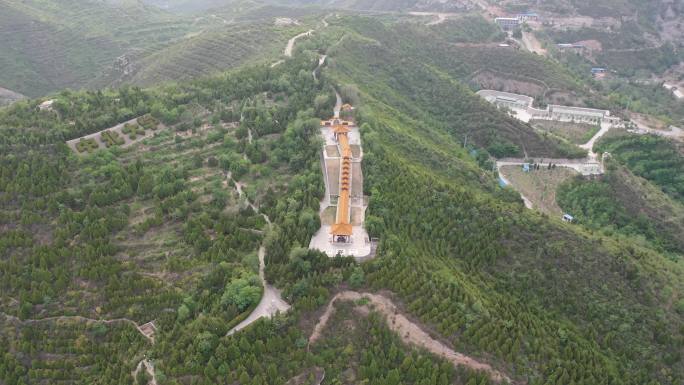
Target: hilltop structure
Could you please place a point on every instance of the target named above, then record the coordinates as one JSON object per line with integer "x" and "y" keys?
{"x": 342, "y": 154}
{"x": 342, "y": 229}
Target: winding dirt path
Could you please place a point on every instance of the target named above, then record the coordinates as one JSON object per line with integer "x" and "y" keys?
{"x": 290, "y": 44}
{"x": 149, "y": 367}
{"x": 271, "y": 301}
{"x": 338, "y": 104}
{"x": 321, "y": 61}
{"x": 81, "y": 319}
{"x": 409, "y": 332}
{"x": 439, "y": 17}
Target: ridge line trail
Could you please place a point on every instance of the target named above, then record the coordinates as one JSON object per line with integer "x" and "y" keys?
{"x": 409, "y": 332}
{"x": 290, "y": 44}
{"x": 440, "y": 17}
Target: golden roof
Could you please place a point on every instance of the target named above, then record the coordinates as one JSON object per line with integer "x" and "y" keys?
{"x": 341, "y": 229}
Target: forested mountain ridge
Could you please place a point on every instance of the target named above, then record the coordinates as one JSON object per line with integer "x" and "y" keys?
{"x": 423, "y": 73}
{"x": 52, "y": 45}
{"x": 160, "y": 231}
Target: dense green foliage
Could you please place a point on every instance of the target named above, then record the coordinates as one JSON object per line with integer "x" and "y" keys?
{"x": 159, "y": 231}
{"x": 79, "y": 352}
{"x": 444, "y": 257}
{"x": 417, "y": 77}
{"x": 49, "y": 45}
{"x": 594, "y": 204}
{"x": 651, "y": 157}
{"x": 542, "y": 301}
{"x": 468, "y": 29}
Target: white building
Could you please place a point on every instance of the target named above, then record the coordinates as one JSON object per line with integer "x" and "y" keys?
{"x": 587, "y": 115}
{"x": 507, "y": 23}
{"x": 519, "y": 102}
{"x": 506, "y": 99}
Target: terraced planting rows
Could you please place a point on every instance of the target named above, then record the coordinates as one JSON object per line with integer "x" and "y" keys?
{"x": 124, "y": 134}
{"x": 212, "y": 52}
{"x": 49, "y": 45}
{"x": 39, "y": 57}
{"x": 69, "y": 351}
{"x": 87, "y": 145}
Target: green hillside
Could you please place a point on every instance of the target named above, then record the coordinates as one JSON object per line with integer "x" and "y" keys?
{"x": 624, "y": 203}
{"x": 170, "y": 229}
{"x": 422, "y": 76}
{"x": 214, "y": 51}
{"x": 651, "y": 157}
{"x": 496, "y": 280}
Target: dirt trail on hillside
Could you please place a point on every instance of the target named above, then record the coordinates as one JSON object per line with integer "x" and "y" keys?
{"x": 438, "y": 17}
{"x": 80, "y": 319}
{"x": 409, "y": 332}
{"x": 149, "y": 367}
{"x": 291, "y": 42}
{"x": 271, "y": 301}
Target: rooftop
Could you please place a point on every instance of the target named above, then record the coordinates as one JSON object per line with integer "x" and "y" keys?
{"x": 341, "y": 229}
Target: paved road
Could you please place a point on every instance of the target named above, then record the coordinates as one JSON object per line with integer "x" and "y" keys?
{"x": 589, "y": 146}
{"x": 270, "y": 304}
{"x": 587, "y": 166}
{"x": 673, "y": 132}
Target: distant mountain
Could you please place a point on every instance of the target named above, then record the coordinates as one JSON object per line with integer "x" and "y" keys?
{"x": 9, "y": 96}
{"x": 383, "y": 5}
{"x": 364, "y": 5}
{"x": 50, "y": 45}
{"x": 195, "y": 6}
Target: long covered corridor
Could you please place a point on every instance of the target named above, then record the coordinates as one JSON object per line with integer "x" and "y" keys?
{"x": 343, "y": 233}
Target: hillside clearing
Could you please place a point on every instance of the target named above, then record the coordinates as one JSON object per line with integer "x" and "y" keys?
{"x": 539, "y": 186}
